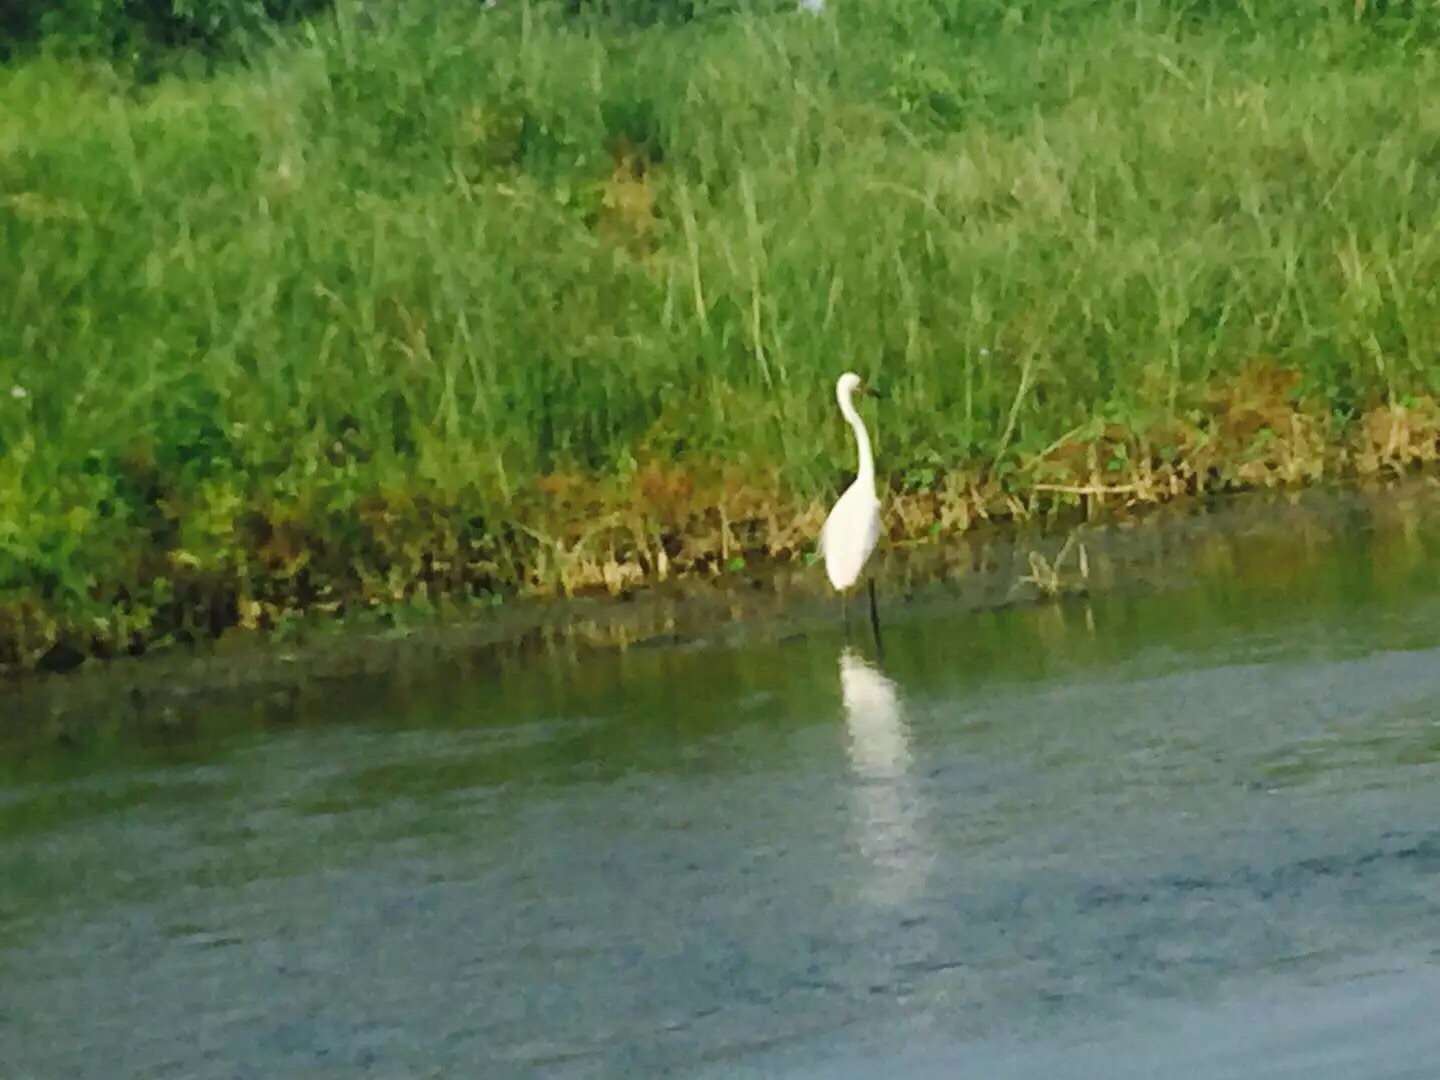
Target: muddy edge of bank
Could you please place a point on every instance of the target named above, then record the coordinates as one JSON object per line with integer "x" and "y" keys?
{"x": 989, "y": 568}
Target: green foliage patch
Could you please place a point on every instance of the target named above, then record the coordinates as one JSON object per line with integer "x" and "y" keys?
{"x": 416, "y": 299}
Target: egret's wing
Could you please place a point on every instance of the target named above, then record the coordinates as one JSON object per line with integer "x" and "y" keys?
{"x": 820, "y": 542}
{"x": 872, "y": 531}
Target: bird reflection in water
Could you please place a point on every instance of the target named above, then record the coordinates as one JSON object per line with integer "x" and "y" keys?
{"x": 888, "y": 808}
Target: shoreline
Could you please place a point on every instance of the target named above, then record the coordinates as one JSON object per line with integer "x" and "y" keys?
{"x": 337, "y": 331}
{"x": 666, "y": 527}
{"x": 984, "y": 570}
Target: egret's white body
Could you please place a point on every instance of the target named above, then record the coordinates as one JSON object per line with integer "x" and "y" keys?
{"x": 853, "y": 528}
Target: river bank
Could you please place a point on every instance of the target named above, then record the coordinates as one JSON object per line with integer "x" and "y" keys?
{"x": 1265, "y": 542}
{"x": 420, "y": 306}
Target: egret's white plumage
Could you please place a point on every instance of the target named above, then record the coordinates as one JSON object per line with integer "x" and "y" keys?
{"x": 853, "y": 527}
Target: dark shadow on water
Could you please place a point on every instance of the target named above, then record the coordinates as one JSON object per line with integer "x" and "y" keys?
{"x": 1261, "y": 542}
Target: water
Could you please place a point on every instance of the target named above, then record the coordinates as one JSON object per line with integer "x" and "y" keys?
{"x": 1187, "y": 833}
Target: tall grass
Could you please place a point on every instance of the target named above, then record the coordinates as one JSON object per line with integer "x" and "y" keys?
{"x": 434, "y": 298}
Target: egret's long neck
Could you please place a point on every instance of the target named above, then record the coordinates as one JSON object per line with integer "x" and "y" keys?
{"x": 866, "y": 473}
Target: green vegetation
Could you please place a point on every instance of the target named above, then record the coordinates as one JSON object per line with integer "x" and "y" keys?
{"x": 140, "y": 32}
{"x": 427, "y": 300}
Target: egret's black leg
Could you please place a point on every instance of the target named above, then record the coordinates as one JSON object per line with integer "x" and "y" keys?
{"x": 874, "y": 614}
{"x": 845, "y": 612}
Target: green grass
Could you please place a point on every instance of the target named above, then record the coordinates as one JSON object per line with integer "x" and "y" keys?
{"x": 371, "y": 316}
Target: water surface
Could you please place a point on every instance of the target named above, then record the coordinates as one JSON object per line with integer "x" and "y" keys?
{"x": 1187, "y": 833}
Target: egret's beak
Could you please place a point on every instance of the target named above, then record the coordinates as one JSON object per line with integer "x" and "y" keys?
{"x": 870, "y": 391}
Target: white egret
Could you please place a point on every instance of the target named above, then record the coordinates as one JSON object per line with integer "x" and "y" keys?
{"x": 853, "y": 528}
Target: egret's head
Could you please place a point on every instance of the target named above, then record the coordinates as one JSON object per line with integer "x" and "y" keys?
{"x": 850, "y": 384}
